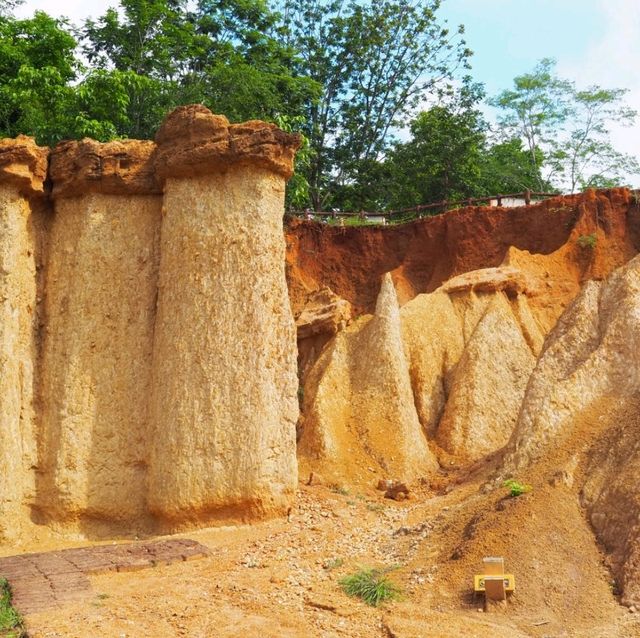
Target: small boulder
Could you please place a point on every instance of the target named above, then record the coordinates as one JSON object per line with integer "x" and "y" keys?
{"x": 397, "y": 491}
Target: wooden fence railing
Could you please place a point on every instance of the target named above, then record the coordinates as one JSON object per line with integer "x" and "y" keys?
{"x": 528, "y": 196}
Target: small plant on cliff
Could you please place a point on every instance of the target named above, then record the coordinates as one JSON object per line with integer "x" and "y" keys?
{"x": 10, "y": 621}
{"x": 587, "y": 241}
{"x": 516, "y": 488}
{"x": 371, "y": 585}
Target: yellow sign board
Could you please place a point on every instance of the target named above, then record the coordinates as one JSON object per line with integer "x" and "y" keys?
{"x": 509, "y": 582}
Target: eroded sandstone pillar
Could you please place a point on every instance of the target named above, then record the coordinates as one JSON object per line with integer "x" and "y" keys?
{"x": 224, "y": 401}
{"x": 101, "y": 288}
{"x": 23, "y": 168}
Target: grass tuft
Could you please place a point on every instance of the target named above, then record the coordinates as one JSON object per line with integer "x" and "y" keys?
{"x": 516, "y": 488}
{"x": 11, "y": 625}
{"x": 370, "y": 585}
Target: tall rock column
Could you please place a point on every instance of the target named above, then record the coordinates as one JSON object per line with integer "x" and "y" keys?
{"x": 101, "y": 285}
{"x": 23, "y": 168}
{"x": 224, "y": 403}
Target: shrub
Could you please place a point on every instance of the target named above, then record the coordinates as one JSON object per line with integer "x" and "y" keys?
{"x": 371, "y": 585}
{"x": 587, "y": 241}
{"x": 516, "y": 488}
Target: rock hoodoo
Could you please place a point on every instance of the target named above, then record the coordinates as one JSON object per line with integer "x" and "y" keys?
{"x": 224, "y": 404}
{"x": 100, "y": 291}
{"x": 22, "y": 173}
{"x": 359, "y": 412}
{"x": 148, "y": 346}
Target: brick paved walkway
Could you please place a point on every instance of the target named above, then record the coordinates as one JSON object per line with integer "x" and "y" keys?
{"x": 44, "y": 580}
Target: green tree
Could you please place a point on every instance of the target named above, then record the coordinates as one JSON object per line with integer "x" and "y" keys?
{"x": 534, "y": 110}
{"x": 450, "y": 157}
{"x": 443, "y": 158}
{"x": 566, "y": 130}
{"x": 144, "y": 48}
{"x": 37, "y": 65}
{"x": 586, "y": 157}
{"x": 222, "y": 53}
{"x": 375, "y": 62}
{"x": 506, "y": 167}
{"x": 246, "y": 69}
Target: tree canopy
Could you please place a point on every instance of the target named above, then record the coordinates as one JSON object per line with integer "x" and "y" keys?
{"x": 380, "y": 90}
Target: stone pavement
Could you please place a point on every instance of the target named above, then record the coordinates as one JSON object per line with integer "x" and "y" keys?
{"x": 48, "y": 579}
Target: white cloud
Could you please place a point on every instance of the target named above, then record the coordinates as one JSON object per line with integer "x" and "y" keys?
{"x": 75, "y": 10}
{"x": 612, "y": 61}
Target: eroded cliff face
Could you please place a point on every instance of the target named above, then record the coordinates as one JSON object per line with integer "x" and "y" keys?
{"x": 360, "y": 419}
{"x": 134, "y": 292}
{"x": 444, "y": 376}
{"x": 148, "y": 356}
{"x": 530, "y": 366}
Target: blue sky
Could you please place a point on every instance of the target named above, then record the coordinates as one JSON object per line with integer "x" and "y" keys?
{"x": 593, "y": 41}
{"x": 509, "y": 36}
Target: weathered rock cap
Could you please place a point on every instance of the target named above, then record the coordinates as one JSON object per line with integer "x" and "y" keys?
{"x": 323, "y": 313}
{"x": 123, "y": 167}
{"x": 503, "y": 278}
{"x": 24, "y": 164}
{"x": 194, "y": 141}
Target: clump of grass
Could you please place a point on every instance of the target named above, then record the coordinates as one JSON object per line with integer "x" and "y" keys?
{"x": 10, "y": 620}
{"x": 370, "y": 585}
{"x": 516, "y": 488}
{"x": 587, "y": 241}
{"x": 339, "y": 489}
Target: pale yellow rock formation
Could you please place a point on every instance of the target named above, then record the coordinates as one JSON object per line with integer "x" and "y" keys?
{"x": 360, "y": 419}
{"x": 322, "y": 316}
{"x": 583, "y": 395}
{"x": 434, "y": 342}
{"x": 472, "y": 345}
{"x": 224, "y": 404}
{"x": 101, "y": 287}
{"x": 487, "y": 385}
{"x": 610, "y": 492}
{"x": 591, "y": 353}
{"x": 323, "y": 313}
{"x": 22, "y": 171}
{"x": 457, "y": 359}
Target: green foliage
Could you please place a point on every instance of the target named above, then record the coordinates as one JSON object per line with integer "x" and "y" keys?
{"x": 587, "y": 241}
{"x": 345, "y": 74}
{"x": 450, "y": 157}
{"x": 566, "y": 130}
{"x": 222, "y": 53}
{"x": 443, "y": 159}
{"x": 506, "y": 167}
{"x": 371, "y": 585}
{"x": 37, "y": 65}
{"x": 516, "y": 488}
{"x": 375, "y": 62}
{"x": 10, "y": 621}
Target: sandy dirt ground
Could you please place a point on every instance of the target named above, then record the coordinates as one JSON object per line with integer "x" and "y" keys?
{"x": 280, "y": 578}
